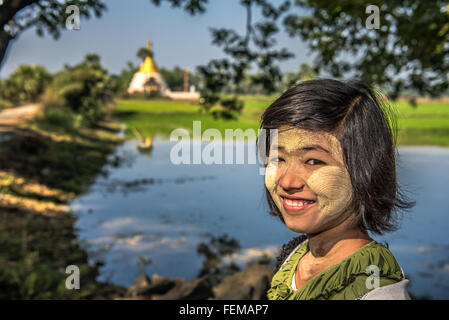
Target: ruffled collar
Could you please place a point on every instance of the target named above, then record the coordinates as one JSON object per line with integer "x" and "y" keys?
{"x": 335, "y": 278}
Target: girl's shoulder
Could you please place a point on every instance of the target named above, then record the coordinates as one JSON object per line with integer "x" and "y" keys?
{"x": 370, "y": 267}
{"x": 367, "y": 270}
{"x": 286, "y": 250}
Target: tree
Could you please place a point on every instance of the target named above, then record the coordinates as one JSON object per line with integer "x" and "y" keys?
{"x": 175, "y": 78}
{"x": 143, "y": 53}
{"x": 255, "y": 48}
{"x": 17, "y": 16}
{"x": 123, "y": 80}
{"x": 84, "y": 88}
{"x": 306, "y": 72}
{"x": 410, "y": 50}
{"x": 25, "y": 84}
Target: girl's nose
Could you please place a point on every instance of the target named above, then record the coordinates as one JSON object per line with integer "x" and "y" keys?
{"x": 291, "y": 180}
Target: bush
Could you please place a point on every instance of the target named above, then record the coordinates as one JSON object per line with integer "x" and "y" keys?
{"x": 25, "y": 84}
{"x": 223, "y": 114}
{"x": 208, "y": 101}
{"x": 232, "y": 104}
{"x": 61, "y": 118}
{"x": 4, "y": 104}
{"x": 84, "y": 89}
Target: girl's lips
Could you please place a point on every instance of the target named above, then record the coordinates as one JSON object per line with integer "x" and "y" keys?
{"x": 296, "y": 204}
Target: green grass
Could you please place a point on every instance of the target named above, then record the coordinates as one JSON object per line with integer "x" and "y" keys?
{"x": 426, "y": 124}
{"x": 161, "y": 117}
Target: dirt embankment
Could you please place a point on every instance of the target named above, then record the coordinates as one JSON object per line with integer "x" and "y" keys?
{"x": 43, "y": 166}
{"x": 11, "y": 118}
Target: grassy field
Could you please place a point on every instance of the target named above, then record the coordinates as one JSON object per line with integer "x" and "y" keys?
{"x": 426, "y": 124}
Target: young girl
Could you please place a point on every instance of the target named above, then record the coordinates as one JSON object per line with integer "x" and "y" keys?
{"x": 331, "y": 176}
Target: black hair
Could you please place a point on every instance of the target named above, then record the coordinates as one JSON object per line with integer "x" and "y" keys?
{"x": 363, "y": 122}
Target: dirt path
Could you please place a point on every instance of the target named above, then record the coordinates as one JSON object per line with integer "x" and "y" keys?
{"x": 10, "y": 118}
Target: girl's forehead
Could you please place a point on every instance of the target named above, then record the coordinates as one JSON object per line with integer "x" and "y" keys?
{"x": 295, "y": 139}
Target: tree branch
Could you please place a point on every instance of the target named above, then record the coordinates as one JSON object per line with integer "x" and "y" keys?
{"x": 9, "y": 9}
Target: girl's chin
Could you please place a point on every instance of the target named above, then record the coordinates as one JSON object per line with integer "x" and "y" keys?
{"x": 298, "y": 226}
{"x": 304, "y": 224}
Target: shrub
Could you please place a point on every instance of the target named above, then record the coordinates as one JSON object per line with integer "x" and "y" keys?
{"x": 25, "y": 84}
{"x": 4, "y": 104}
{"x": 61, "y": 118}
{"x": 232, "y": 104}
{"x": 84, "y": 89}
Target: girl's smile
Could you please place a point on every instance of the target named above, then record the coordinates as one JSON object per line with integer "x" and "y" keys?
{"x": 295, "y": 205}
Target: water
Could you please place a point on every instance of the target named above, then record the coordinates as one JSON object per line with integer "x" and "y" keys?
{"x": 149, "y": 215}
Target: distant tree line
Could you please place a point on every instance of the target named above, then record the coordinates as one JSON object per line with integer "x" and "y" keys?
{"x": 409, "y": 50}
{"x": 86, "y": 86}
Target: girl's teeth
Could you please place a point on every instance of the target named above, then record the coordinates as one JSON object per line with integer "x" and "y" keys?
{"x": 294, "y": 203}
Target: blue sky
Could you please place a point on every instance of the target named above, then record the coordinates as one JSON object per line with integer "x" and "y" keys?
{"x": 178, "y": 38}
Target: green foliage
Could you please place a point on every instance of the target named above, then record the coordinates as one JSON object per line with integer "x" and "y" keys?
{"x": 208, "y": 100}
{"x": 84, "y": 88}
{"x": 61, "y": 119}
{"x": 42, "y": 15}
{"x": 411, "y": 40}
{"x": 254, "y": 48}
{"x": 408, "y": 52}
{"x": 230, "y": 109}
{"x": 232, "y": 104}
{"x": 4, "y": 104}
{"x": 215, "y": 76}
{"x": 143, "y": 53}
{"x": 175, "y": 78}
{"x": 191, "y": 6}
{"x": 120, "y": 83}
{"x": 25, "y": 84}
{"x": 306, "y": 72}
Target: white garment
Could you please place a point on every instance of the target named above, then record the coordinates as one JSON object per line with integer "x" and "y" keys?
{"x": 395, "y": 291}
{"x": 294, "y": 282}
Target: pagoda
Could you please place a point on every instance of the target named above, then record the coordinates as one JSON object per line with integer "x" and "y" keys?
{"x": 148, "y": 78}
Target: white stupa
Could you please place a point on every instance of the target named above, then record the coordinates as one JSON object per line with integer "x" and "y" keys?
{"x": 149, "y": 79}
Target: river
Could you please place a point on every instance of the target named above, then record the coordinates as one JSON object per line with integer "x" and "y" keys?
{"x": 149, "y": 215}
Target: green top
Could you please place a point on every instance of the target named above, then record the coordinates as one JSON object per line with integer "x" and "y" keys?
{"x": 345, "y": 280}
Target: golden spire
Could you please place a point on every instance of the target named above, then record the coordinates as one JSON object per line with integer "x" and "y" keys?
{"x": 148, "y": 65}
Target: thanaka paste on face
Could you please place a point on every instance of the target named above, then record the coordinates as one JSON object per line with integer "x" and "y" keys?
{"x": 331, "y": 184}
{"x": 333, "y": 188}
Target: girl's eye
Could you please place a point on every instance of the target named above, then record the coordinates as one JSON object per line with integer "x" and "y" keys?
{"x": 314, "y": 162}
{"x": 276, "y": 159}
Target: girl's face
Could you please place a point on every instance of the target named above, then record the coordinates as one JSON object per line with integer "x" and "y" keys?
{"x": 308, "y": 180}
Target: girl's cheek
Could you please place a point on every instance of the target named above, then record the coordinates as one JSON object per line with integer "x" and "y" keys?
{"x": 271, "y": 172}
{"x": 333, "y": 188}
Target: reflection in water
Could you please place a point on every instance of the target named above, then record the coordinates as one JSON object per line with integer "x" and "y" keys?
{"x": 151, "y": 216}
{"x": 136, "y": 185}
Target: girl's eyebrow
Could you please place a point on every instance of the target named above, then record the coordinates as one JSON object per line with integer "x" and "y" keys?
{"x": 315, "y": 147}
{"x": 305, "y": 148}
